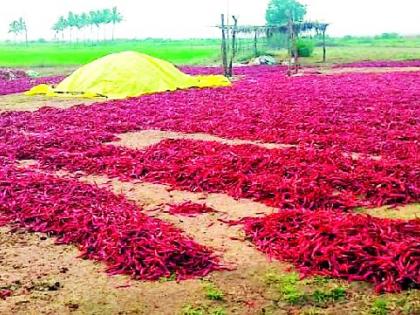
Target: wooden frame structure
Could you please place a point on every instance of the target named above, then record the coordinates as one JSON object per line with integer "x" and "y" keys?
{"x": 293, "y": 29}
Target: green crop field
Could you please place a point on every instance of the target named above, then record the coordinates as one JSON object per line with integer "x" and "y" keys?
{"x": 56, "y": 54}
{"x": 198, "y": 51}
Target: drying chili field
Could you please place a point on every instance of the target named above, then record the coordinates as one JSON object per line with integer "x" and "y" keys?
{"x": 278, "y": 195}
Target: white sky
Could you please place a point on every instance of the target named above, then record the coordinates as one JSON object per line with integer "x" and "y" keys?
{"x": 194, "y": 18}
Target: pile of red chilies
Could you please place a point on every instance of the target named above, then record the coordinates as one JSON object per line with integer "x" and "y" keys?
{"x": 350, "y": 246}
{"x": 104, "y": 226}
{"x": 284, "y": 178}
{"x": 355, "y": 138}
{"x": 22, "y": 83}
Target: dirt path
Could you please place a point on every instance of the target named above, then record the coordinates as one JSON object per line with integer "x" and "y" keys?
{"x": 207, "y": 229}
{"x": 145, "y": 138}
{"x": 21, "y": 102}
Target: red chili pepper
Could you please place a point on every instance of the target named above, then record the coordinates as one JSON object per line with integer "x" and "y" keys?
{"x": 189, "y": 209}
{"x": 349, "y": 246}
{"x": 5, "y": 294}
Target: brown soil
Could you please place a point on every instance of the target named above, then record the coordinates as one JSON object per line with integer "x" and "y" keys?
{"x": 145, "y": 138}
{"x": 407, "y": 212}
{"x": 49, "y": 279}
{"x": 21, "y": 102}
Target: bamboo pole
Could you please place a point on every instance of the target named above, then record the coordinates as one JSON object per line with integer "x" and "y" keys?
{"x": 324, "y": 49}
{"x": 255, "y": 43}
{"x": 234, "y": 48}
{"x": 224, "y": 48}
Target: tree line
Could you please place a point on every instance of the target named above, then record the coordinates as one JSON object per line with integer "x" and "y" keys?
{"x": 75, "y": 25}
{"x": 79, "y": 24}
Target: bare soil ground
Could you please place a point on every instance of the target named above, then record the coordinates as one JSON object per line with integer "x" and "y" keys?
{"x": 21, "y": 102}
{"x": 145, "y": 138}
{"x": 49, "y": 279}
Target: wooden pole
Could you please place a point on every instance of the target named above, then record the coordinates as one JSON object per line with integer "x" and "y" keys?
{"x": 292, "y": 43}
{"x": 256, "y": 43}
{"x": 224, "y": 49}
{"x": 324, "y": 49}
{"x": 295, "y": 49}
{"x": 293, "y": 39}
{"x": 234, "y": 48}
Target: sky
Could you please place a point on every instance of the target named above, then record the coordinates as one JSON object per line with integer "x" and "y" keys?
{"x": 196, "y": 18}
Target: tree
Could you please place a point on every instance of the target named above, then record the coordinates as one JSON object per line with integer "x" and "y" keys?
{"x": 105, "y": 15}
{"x": 60, "y": 26}
{"x": 116, "y": 18}
{"x": 19, "y": 27}
{"x": 71, "y": 22}
{"x": 95, "y": 19}
{"x": 14, "y": 28}
{"x": 84, "y": 21}
{"x": 279, "y": 11}
{"x": 78, "y": 22}
{"x": 23, "y": 29}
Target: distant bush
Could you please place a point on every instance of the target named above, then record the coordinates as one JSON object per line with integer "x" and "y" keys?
{"x": 388, "y": 36}
{"x": 305, "y": 47}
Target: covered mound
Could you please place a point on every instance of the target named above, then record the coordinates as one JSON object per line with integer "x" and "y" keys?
{"x": 127, "y": 74}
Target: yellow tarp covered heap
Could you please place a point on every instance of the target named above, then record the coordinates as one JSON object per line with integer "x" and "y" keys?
{"x": 126, "y": 74}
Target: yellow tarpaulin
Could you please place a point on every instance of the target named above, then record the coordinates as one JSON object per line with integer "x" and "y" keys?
{"x": 126, "y": 74}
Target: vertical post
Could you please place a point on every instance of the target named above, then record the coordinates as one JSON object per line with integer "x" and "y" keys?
{"x": 256, "y": 43}
{"x": 291, "y": 43}
{"x": 295, "y": 49}
{"x": 293, "y": 38}
{"x": 234, "y": 48}
{"x": 224, "y": 50}
{"x": 324, "y": 49}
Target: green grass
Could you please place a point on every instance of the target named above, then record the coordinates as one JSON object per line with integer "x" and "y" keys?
{"x": 393, "y": 40}
{"x": 203, "y": 51}
{"x": 345, "y": 54}
{"x": 379, "y": 307}
{"x": 349, "y": 49}
{"x": 65, "y": 54}
{"x": 172, "y": 277}
{"x": 316, "y": 291}
{"x": 212, "y": 292}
